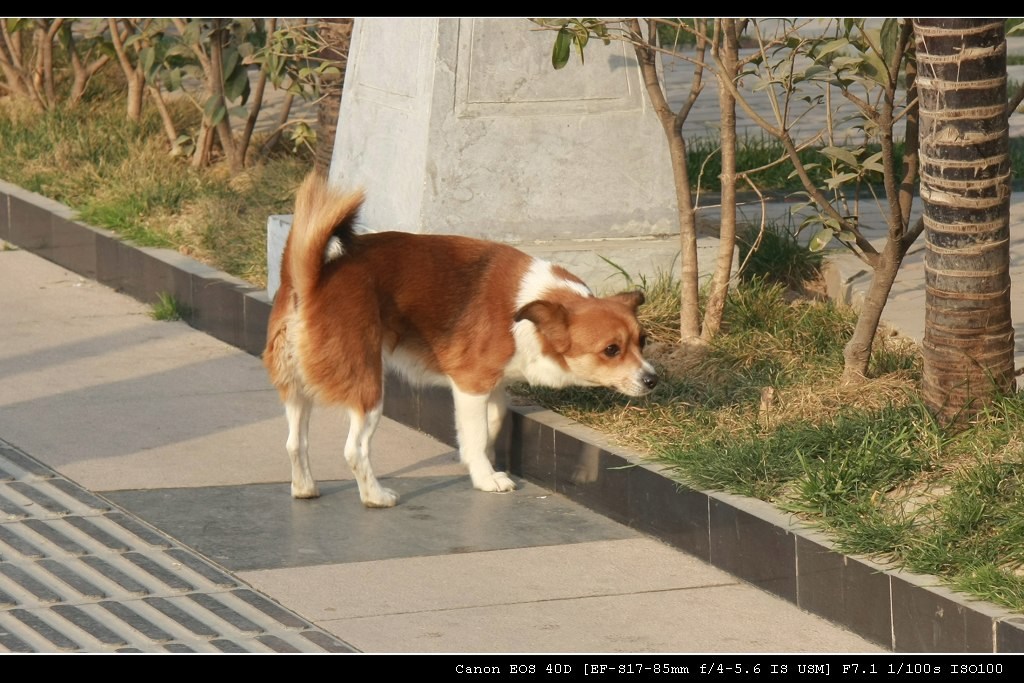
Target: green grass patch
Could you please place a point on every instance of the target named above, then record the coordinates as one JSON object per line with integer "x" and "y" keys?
{"x": 775, "y": 254}
{"x": 168, "y": 308}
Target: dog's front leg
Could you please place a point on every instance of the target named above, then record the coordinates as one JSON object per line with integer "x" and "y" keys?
{"x": 496, "y": 409}
{"x": 476, "y": 417}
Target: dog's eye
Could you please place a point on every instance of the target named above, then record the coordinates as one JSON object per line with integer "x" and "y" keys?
{"x": 611, "y": 350}
{"x": 643, "y": 340}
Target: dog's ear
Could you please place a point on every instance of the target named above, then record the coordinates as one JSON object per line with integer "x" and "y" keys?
{"x": 633, "y": 299}
{"x": 551, "y": 321}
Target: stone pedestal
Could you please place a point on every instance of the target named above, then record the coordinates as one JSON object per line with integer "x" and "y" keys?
{"x": 463, "y": 126}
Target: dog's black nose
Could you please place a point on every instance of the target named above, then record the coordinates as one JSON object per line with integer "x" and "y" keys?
{"x": 650, "y": 380}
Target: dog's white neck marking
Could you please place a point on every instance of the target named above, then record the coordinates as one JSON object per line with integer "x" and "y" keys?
{"x": 540, "y": 279}
{"x": 529, "y": 362}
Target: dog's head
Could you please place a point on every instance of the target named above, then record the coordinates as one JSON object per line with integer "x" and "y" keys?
{"x": 597, "y": 340}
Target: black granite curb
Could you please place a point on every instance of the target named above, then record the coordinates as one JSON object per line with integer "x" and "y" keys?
{"x": 748, "y": 538}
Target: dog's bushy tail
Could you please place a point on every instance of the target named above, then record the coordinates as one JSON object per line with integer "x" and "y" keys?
{"x": 321, "y": 231}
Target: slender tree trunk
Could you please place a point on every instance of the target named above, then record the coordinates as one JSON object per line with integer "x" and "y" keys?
{"x": 170, "y": 128}
{"x": 14, "y": 61}
{"x": 47, "y": 31}
{"x": 216, "y": 81}
{"x": 672, "y": 124}
{"x": 857, "y": 352}
{"x": 282, "y": 121}
{"x": 728, "y": 52}
{"x": 17, "y": 77}
{"x": 256, "y": 101}
{"x": 900, "y": 195}
{"x": 965, "y": 171}
{"x": 204, "y": 146}
{"x": 132, "y": 72}
{"x": 82, "y": 70}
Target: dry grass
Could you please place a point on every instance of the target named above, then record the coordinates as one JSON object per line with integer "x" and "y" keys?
{"x": 119, "y": 176}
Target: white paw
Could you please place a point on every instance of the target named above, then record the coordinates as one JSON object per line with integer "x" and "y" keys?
{"x": 308, "y": 490}
{"x": 381, "y": 498}
{"x": 496, "y": 482}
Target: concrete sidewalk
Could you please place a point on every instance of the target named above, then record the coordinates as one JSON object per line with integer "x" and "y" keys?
{"x": 169, "y": 426}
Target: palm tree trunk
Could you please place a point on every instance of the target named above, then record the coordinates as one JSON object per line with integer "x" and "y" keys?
{"x": 965, "y": 172}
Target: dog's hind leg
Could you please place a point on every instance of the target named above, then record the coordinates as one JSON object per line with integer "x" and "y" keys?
{"x": 477, "y": 420}
{"x": 297, "y": 409}
{"x": 357, "y": 453}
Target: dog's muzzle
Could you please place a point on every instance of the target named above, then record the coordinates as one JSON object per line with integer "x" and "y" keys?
{"x": 641, "y": 384}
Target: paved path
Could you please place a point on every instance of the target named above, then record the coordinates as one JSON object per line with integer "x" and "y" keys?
{"x": 145, "y": 508}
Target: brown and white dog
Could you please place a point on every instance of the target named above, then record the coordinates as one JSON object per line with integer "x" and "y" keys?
{"x": 464, "y": 313}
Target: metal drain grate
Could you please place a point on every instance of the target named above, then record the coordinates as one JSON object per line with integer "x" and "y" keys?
{"x": 79, "y": 575}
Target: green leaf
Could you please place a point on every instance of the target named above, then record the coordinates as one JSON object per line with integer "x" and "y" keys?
{"x": 815, "y": 71}
{"x": 237, "y": 86}
{"x": 582, "y": 38}
{"x": 214, "y": 110}
{"x": 874, "y": 68}
{"x": 191, "y": 34}
{"x": 830, "y": 47}
{"x": 809, "y": 220}
{"x": 874, "y": 163}
{"x": 175, "y": 80}
{"x": 835, "y": 181}
{"x": 820, "y": 239}
{"x": 890, "y": 35}
{"x": 847, "y": 237}
{"x": 231, "y": 60}
{"x": 147, "y": 59}
{"x": 560, "y": 52}
{"x": 840, "y": 154}
{"x": 807, "y": 167}
{"x": 847, "y": 62}
{"x": 218, "y": 115}
{"x": 552, "y": 23}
